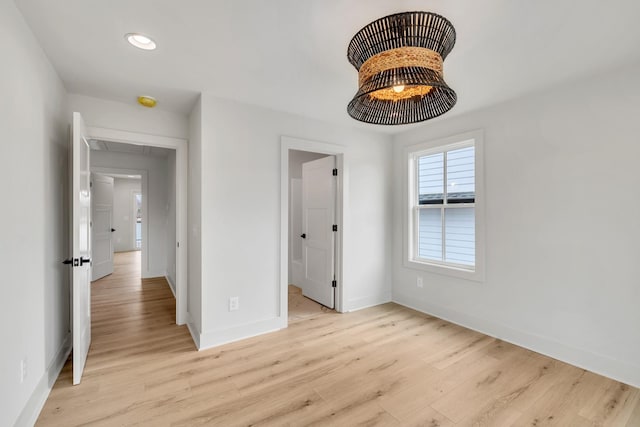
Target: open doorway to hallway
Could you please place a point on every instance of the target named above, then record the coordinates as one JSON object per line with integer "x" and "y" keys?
{"x": 176, "y": 182}
{"x": 119, "y": 149}
{"x": 134, "y": 205}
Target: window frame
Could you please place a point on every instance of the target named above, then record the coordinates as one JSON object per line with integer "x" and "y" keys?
{"x": 411, "y": 226}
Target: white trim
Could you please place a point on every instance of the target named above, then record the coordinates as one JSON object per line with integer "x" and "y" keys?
{"x": 134, "y": 138}
{"x": 182, "y": 156}
{"x": 193, "y": 330}
{"x": 367, "y": 302}
{"x": 218, "y": 337}
{"x": 32, "y": 409}
{"x": 597, "y": 363}
{"x": 171, "y": 284}
{"x": 340, "y": 152}
{"x": 475, "y": 138}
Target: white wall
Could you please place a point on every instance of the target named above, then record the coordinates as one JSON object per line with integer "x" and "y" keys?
{"x": 170, "y": 224}
{"x": 129, "y": 117}
{"x": 241, "y": 215}
{"x": 123, "y": 213}
{"x": 34, "y": 308}
{"x": 296, "y": 159}
{"x": 156, "y": 193}
{"x": 562, "y": 225}
{"x": 194, "y": 281}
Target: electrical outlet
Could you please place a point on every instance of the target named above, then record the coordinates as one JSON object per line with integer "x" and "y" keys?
{"x": 419, "y": 282}
{"x": 23, "y": 370}
{"x": 234, "y": 303}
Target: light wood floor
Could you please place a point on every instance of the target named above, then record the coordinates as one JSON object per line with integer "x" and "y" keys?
{"x": 386, "y": 365}
{"x": 301, "y": 307}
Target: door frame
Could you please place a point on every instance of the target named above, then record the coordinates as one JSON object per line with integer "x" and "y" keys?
{"x": 291, "y": 143}
{"x": 182, "y": 155}
{"x": 144, "y": 182}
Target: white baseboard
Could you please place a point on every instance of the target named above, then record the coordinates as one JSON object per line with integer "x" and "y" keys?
{"x": 152, "y": 274}
{"x": 218, "y": 337}
{"x": 296, "y": 272}
{"x": 31, "y": 410}
{"x": 172, "y": 285}
{"x": 603, "y": 365}
{"x": 366, "y": 302}
{"x": 193, "y": 330}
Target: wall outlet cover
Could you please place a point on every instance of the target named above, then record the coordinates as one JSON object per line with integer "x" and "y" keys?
{"x": 234, "y": 303}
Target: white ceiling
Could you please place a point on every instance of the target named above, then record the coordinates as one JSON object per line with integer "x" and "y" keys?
{"x": 290, "y": 55}
{"x": 119, "y": 147}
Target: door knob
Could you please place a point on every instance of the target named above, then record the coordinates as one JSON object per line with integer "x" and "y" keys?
{"x": 113, "y": 229}
{"x": 68, "y": 261}
{"x": 84, "y": 260}
{"x": 303, "y": 235}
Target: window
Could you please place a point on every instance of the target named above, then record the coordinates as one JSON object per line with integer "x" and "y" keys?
{"x": 444, "y": 223}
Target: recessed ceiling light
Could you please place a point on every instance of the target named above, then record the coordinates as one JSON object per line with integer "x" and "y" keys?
{"x": 140, "y": 41}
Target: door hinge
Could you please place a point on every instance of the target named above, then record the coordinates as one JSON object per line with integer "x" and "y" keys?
{"x": 335, "y": 172}
{"x": 335, "y": 227}
{"x": 334, "y": 284}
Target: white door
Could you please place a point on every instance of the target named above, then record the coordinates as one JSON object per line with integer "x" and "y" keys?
{"x": 318, "y": 219}
{"x": 102, "y": 226}
{"x": 81, "y": 238}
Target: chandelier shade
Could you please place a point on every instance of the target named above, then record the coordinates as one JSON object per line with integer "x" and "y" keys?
{"x": 400, "y": 75}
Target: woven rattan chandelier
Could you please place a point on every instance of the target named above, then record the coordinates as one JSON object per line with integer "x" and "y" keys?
{"x": 399, "y": 61}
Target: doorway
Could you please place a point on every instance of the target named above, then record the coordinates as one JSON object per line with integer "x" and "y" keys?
{"x": 125, "y": 184}
{"x": 175, "y": 222}
{"x": 136, "y": 209}
{"x": 312, "y": 193}
{"x": 311, "y": 233}
{"x": 116, "y": 212}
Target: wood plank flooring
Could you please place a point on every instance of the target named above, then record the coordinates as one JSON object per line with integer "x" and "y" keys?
{"x": 301, "y": 307}
{"x": 386, "y": 366}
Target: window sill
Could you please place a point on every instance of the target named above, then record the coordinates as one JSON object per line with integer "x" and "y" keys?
{"x": 476, "y": 275}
